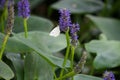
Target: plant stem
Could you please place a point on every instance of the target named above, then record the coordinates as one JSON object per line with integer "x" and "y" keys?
{"x": 92, "y": 70}
{"x": 67, "y": 52}
{"x": 2, "y": 24}
{"x": 25, "y": 27}
{"x": 53, "y": 70}
{"x": 3, "y": 18}
{"x": 77, "y": 69}
{"x": 70, "y": 74}
{"x": 72, "y": 56}
{"x": 4, "y": 45}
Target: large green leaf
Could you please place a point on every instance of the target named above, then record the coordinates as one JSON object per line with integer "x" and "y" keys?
{"x": 79, "y": 6}
{"x": 45, "y": 42}
{"x": 40, "y": 46}
{"x": 110, "y": 27}
{"x": 14, "y": 45}
{"x": 5, "y": 71}
{"x": 36, "y": 68}
{"x": 108, "y": 53}
{"x": 40, "y": 42}
{"x": 34, "y": 24}
{"x": 18, "y": 65}
{"x": 86, "y": 77}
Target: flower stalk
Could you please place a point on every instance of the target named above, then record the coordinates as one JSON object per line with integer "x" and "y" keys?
{"x": 25, "y": 27}
{"x": 77, "y": 69}
{"x": 4, "y": 16}
{"x": 4, "y": 44}
{"x": 72, "y": 56}
{"x": 24, "y": 11}
{"x": 67, "y": 52}
{"x": 67, "y": 27}
{"x": 10, "y": 23}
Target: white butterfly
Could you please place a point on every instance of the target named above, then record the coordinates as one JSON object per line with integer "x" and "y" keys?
{"x": 55, "y": 32}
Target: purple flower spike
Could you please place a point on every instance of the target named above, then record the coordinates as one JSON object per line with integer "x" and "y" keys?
{"x": 108, "y": 76}
{"x": 64, "y": 20}
{"x": 24, "y": 8}
{"x": 2, "y": 2}
{"x": 74, "y": 28}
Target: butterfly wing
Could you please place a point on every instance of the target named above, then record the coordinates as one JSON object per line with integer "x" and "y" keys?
{"x": 55, "y": 32}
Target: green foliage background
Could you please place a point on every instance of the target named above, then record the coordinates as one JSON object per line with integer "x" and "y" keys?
{"x": 39, "y": 56}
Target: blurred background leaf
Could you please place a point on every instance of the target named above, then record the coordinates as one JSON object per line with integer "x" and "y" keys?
{"x": 109, "y": 27}
{"x": 5, "y": 71}
{"x": 79, "y": 6}
{"x": 33, "y": 3}
{"x": 86, "y": 77}
{"x": 108, "y": 53}
{"x": 18, "y": 64}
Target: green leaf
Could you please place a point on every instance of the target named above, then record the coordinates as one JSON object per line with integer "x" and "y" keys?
{"x": 107, "y": 53}
{"x": 33, "y": 3}
{"x": 45, "y": 42}
{"x": 40, "y": 47}
{"x": 34, "y": 24}
{"x": 36, "y": 68}
{"x": 109, "y": 27}
{"x": 79, "y": 6}
{"x": 18, "y": 65}
{"x": 14, "y": 45}
{"x": 86, "y": 77}
{"x": 40, "y": 42}
{"x": 5, "y": 71}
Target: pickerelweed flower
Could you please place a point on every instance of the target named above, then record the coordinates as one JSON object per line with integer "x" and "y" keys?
{"x": 10, "y": 23}
{"x": 78, "y": 68}
{"x": 74, "y": 28}
{"x": 64, "y": 20}
{"x": 2, "y": 2}
{"x": 108, "y": 76}
{"x": 10, "y": 19}
{"x": 24, "y": 8}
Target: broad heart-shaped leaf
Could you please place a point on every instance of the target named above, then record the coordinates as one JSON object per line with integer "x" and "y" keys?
{"x": 38, "y": 47}
{"x": 109, "y": 27}
{"x": 86, "y": 77}
{"x": 33, "y": 3}
{"x": 79, "y": 6}
{"x": 35, "y": 23}
{"x": 18, "y": 65}
{"x": 37, "y": 68}
{"x": 45, "y": 42}
{"x": 108, "y": 53}
{"x": 5, "y": 71}
{"x": 14, "y": 45}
